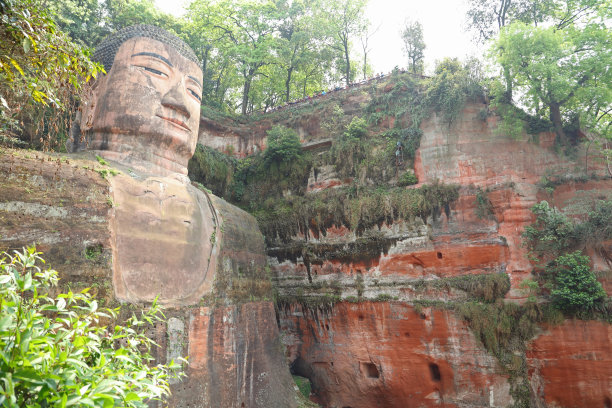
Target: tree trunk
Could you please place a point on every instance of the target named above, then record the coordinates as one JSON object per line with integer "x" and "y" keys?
{"x": 288, "y": 84}
{"x": 245, "y": 95}
{"x": 365, "y": 60}
{"x": 508, "y": 79}
{"x": 555, "y": 118}
{"x": 348, "y": 63}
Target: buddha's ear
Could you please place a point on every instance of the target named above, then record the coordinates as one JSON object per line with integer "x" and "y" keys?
{"x": 83, "y": 119}
{"x": 89, "y": 101}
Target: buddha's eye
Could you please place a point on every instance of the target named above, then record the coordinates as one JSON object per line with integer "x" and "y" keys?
{"x": 154, "y": 71}
{"x": 195, "y": 95}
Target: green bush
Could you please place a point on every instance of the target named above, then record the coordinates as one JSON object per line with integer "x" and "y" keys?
{"x": 357, "y": 129}
{"x": 283, "y": 146}
{"x": 551, "y": 233}
{"x": 303, "y": 385}
{"x": 451, "y": 86}
{"x": 407, "y": 179}
{"x": 484, "y": 207}
{"x": 41, "y": 71}
{"x": 55, "y": 350}
{"x": 576, "y": 289}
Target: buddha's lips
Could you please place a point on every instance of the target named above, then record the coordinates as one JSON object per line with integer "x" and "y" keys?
{"x": 176, "y": 122}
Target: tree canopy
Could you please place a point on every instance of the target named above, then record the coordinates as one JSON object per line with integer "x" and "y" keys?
{"x": 40, "y": 72}
{"x": 414, "y": 45}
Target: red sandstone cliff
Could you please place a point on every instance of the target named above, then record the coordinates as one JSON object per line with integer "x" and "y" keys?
{"x": 385, "y": 354}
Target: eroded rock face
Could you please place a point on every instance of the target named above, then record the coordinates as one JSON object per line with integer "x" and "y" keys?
{"x": 71, "y": 212}
{"x": 389, "y": 354}
{"x": 402, "y": 263}
{"x": 570, "y": 365}
{"x": 234, "y": 359}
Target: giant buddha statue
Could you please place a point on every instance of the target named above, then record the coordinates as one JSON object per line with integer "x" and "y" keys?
{"x": 143, "y": 117}
{"x": 146, "y": 231}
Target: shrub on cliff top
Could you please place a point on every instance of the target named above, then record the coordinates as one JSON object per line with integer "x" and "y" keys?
{"x": 452, "y": 85}
{"x": 55, "y": 350}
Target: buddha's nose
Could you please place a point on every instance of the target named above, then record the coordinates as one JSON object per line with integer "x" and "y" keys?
{"x": 176, "y": 99}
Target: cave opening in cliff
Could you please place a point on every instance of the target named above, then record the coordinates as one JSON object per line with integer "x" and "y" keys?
{"x": 434, "y": 370}
{"x": 439, "y": 255}
{"x": 370, "y": 370}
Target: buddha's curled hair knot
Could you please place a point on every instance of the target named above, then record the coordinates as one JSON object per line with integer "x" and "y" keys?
{"x": 107, "y": 49}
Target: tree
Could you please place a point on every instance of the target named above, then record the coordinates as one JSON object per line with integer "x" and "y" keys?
{"x": 559, "y": 70}
{"x": 412, "y": 36}
{"x": 452, "y": 84}
{"x": 347, "y": 19}
{"x": 82, "y": 20}
{"x": 303, "y": 40}
{"x": 576, "y": 289}
{"x": 55, "y": 350}
{"x": 125, "y": 13}
{"x": 366, "y": 34}
{"x": 248, "y": 32}
{"x": 485, "y": 18}
{"x": 41, "y": 71}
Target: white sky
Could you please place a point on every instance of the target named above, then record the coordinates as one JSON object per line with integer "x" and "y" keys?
{"x": 442, "y": 22}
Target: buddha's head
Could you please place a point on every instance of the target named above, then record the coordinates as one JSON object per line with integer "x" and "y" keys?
{"x": 145, "y": 112}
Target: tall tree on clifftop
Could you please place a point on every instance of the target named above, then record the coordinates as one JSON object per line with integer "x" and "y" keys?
{"x": 414, "y": 45}
{"x": 246, "y": 33}
{"x": 562, "y": 69}
{"x": 303, "y": 38}
{"x": 346, "y": 20}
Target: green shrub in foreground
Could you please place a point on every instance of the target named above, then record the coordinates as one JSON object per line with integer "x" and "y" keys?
{"x": 55, "y": 350}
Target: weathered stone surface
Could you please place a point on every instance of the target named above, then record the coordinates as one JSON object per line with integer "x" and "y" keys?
{"x": 390, "y": 355}
{"x": 143, "y": 119}
{"x": 235, "y": 359}
{"x": 64, "y": 207}
{"x": 472, "y": 154}
{"x": 571, "y": 365}
{"x": 166, "y": 241}
{"x": 72, "y": 213}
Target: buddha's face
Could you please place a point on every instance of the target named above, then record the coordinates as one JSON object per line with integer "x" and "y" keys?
{"x": 147, "y": 108}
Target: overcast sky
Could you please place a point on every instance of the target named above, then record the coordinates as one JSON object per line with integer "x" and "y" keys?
{"x": 442, "y": 22}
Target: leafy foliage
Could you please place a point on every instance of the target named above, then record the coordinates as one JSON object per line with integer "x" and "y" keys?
{"x": 484, "y": 207}
{"x": 358, "y": 208}
{"x": 58, "y": 351}
{"x": 558, "y": 66}
{"x": 551, "y": 234}
{"x": 283, "y": 146}
{"x": 407, "y": 179}
{"x": 551, "y": 238}
{"x": 212, "y": 169}
{"x": 576, "y": 288}
{"x": 414, "y": 45}
{"x": 40, "y": 72}
{"x": 451, "y": 86}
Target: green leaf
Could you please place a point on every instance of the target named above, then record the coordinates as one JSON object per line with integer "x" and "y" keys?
{"x": 6, "y": 322}
{"x": 132, "y": 396}
{"x": 27, "y": 44}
